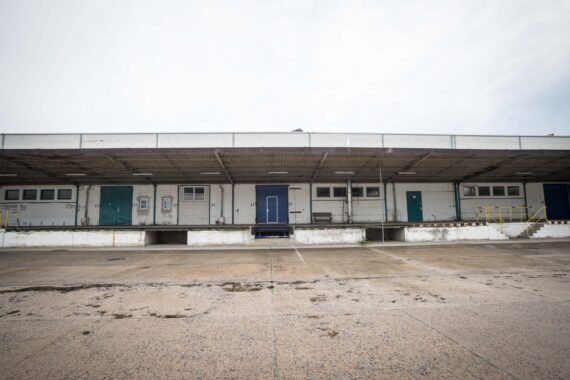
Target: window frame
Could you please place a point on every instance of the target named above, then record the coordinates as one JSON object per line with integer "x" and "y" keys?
{"x": 7, "y": 191}
{"x": 374, "y": 188}
{"x": 188, "y": 196}
{"x": 356, "y": 189}
{"x": 144, "y": 201}
{"x": 166, "y": 204}
{"x": 46, "y": 191}
{"x": 518, "y": 191}
{"x": 29, "y": 190}
{"x": 473, "y": 191}
{"x": 484, "y": 187}
{"x": 498, "y": 187}
{"x": 203, "y": 193}
{"x": 340, "y": 189}
{"x": 59, "y": 191}
{"x": 193, "y": 192}
{"x": 321, "y": 188}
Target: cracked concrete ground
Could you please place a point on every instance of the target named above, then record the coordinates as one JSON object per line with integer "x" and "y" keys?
{"x": 453, "y": 311}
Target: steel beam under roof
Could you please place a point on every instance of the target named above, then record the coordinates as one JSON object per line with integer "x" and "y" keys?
{"x": 279, "y": 165}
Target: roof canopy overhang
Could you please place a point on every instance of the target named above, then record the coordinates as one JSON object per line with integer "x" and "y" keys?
{"x": 280, "y": 165}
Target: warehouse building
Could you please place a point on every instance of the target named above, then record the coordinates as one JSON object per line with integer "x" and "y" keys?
{"x": 277, "y": 184}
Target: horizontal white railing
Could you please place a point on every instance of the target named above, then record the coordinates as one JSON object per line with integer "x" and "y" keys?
{"x": 280, "y": 140}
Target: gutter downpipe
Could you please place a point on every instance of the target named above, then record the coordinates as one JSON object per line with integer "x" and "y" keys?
{"x": 222, "y": 204}
{"x": 385, "y": 203}
{"x": 525, "y": 200}
{"x": 457, "y": 201}
{"x": 349, "y": 200}
{"x": 311, "y": 202}
{"x": 233, "y": 200}
{"x": 154, "y": 207}
{"x": 395, "y": 204}
{"x": 76, "y": 202}
{"x": 381, "y": 219}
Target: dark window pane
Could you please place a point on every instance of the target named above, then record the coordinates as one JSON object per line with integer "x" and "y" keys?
{"x": 513, "y": 190}
{"x": 323, "y": 192}
{"x": 30, "y": 195}
{"x": 188, "y": 194}
{"x": 372, "y": 191}
{"x": 12, "y": 195}
{"x": 47, "y": 195}
{"x": 64, "y": 194}
{"x": 357, "y": 192}
{"x": 469, "y": 191}
{"x": 199, "y": 194}
{"x": 498, "y": 191}
{"x": 484, "y": 191}
{"x": 339, "y": 191}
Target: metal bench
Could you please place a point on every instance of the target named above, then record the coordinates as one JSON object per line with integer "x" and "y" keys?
{"x": 322, "y": 217}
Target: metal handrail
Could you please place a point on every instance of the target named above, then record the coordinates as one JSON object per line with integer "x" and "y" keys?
{"x": 503, "y": 214}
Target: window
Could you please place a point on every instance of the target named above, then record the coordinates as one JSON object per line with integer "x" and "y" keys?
{"x": 47, "y": 194}
{"x": 339, "y": 191}
{"x": 499, "y": 191}
{"x": 64, "y": 194}
{"x": 469, "y": 191}
{"x": 194, "y": 193}
{"x": 188, "y": 194}
{"x": 166, "y": 203}
{"x": 513, "y": 190}
{"x": 372, "y": 192}
{"x": 484, "y": 191}
{"x": 30, "y": 195}
{"x": 12, "y": 195}
{"x": 199, "y": 194}
{"x": 323, "y": 192}
{"x": 357, "y": 192}
{"x": 143, "y": 203}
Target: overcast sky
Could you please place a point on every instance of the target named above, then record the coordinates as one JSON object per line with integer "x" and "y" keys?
{"x": 499, "y": 67}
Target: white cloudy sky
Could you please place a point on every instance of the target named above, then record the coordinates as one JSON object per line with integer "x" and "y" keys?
{"x": 364, "y": 66}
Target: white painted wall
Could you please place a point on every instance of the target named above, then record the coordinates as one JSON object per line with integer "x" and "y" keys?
{"x": 38, "y": 212}
{"x": 19, "y": 239}
{"x": 437, "y": 201}
{"x": 194, "y": 212}
{"x": 364, "y": 209}
{"x": 329, "y": 235}
{"x": 473, "y": 208}
{"x": 143, "y": 217}
{"x": 244, "y": 204}
{"x": 220, "y": 237}
{"x": 299, "y": 203}
{"x": 553, "y": 231}
{"x": 535, "y": 195}
{"x": 165, "y": 216}
{"x": 420, "y": 234}
{"x": 216, "y": 194}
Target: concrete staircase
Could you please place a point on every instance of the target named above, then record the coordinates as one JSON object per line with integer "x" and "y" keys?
{"x": 531, "y": 230}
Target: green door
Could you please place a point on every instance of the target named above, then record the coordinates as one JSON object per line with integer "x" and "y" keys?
{"x": 414, "y": 201}
{"x": 116, "y": 206}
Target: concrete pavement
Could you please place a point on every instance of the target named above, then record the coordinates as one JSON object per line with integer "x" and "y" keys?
{"x": 449, "y": 311}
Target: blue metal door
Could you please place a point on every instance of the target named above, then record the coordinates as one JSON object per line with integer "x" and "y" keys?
{"x": 272, "y": 204}
{"x": 557, "y": 200}
{"x": 272, "y": 209}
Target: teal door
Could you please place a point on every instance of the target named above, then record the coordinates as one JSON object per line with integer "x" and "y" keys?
{"x": 414, "y": 202}
{"x": 116, "y": 206}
